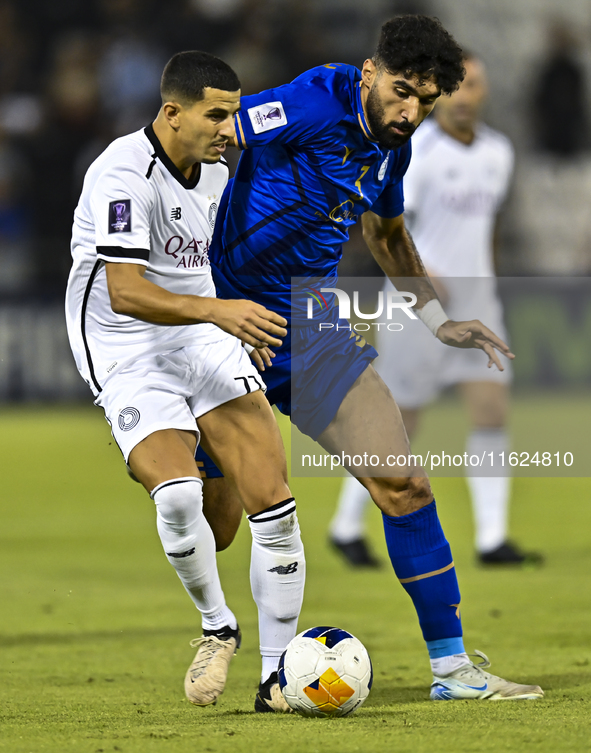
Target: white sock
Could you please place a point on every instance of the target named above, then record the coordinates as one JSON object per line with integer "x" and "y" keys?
{"x": 490, "y": 494}
{"x": 270, "y": 665}
{"x": 347, "y": 523}
{"x": 190, "y": 547}
{"x": 445, "y": 665}
{"x": 277, "y": 575}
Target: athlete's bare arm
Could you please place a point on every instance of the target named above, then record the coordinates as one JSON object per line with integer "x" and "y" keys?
{"x": 132, "y": 295}
{"x": 394, "y": 250}
{"x": 392, "y": 247}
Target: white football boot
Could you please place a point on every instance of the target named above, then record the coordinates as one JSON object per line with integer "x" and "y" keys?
{"x": 471, "y": 681}
{"x": 206, "y": 677}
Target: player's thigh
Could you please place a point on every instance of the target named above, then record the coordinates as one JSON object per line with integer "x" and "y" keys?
{"x": 369, "y": 426}
{"x": 243, "y": 439}
{"x": 487, "y": 403}
{"x": 146, "y": 406}
{"x": 367, "y": 421}
{"x": 163, "y": 456}
{"x": 222, "y": 508}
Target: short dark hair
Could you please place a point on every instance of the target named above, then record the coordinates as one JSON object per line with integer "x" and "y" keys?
{"x": 419, "y": 45}
{"x": 188, "y": 74}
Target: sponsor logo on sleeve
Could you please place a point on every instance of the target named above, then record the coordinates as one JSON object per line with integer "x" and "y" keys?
{"x": 120, "y": 216}
{"x": 266, "y": 117}
{"x": 211, "y": 215}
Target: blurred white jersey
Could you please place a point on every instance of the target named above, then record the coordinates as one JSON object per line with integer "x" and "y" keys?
{"x": 452, "y": 193}
{"x": 136, "y": 207}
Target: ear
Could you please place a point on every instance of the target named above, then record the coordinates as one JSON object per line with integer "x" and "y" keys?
{"x": 369, "y": 73}
{"x": 171, "y": 111}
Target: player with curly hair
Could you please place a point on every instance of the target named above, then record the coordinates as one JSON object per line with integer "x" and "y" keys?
{"x": 319, "y": 154}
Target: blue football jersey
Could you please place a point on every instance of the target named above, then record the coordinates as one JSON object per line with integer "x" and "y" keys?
{"x": 310, "y": 168}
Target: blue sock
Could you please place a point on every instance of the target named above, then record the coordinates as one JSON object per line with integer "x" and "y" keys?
{"x": 422, "y": 561}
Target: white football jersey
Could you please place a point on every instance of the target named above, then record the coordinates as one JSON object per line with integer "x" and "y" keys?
{"x": 452, "y": 194}
{"x": 137, "y": 207}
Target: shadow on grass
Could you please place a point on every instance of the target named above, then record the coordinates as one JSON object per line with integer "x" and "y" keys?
{"x": 389, "y": 696}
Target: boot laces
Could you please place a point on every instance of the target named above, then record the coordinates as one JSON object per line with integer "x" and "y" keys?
{"x": 208, "y": 646}
{"x": 485, "y": 663}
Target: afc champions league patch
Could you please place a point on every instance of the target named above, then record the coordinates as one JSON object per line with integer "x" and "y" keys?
{"x": 128, "y": 419}
{"x": 212, "y": 213}
{"x": 120, "y": 216}
{"x": 266, "y": 117}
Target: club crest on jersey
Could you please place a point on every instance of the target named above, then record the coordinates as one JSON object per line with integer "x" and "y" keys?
{"x": 128, "y": 419}
{"x": 120, "y": 216}
{"x": 266, "y": 117}
{"x": 383, "y": 167}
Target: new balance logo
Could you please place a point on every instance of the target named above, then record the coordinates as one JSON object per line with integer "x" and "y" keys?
{"x": 175, "y": 213}
{"x": 285, "y": 569}
{"x": 180, "y": 555}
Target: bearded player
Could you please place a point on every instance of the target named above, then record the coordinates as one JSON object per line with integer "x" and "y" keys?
{"x": 455, "y": 185}
{"x": 319, "y": 154}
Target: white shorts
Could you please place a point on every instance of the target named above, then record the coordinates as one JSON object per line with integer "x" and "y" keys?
{"x": 171, "y": 390}
{"x": 416, "y": 366}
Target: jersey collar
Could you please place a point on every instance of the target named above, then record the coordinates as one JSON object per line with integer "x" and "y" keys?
{"x": 361, "y": 119}
{"x": 168, "y": 163}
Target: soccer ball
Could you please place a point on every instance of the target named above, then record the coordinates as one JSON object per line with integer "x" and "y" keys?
{"x": 325, "y": 671}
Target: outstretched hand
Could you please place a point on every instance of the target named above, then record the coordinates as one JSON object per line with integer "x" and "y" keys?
{"x": 475, "y": 335}
{"x": 249, "y": 322}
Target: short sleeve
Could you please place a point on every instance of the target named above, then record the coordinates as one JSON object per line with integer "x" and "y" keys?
{"x": 412, "y": 186}
{"x": 121, "y": 205}
{"x": 390, "y": 203}
{"x": 509, "y": 166}
{"x": 286, "y": 114}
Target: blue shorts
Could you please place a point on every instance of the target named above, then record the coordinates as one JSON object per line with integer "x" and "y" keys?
{"x": 311, "y": 374}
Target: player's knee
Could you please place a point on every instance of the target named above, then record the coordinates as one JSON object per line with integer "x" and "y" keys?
{"x": 402, "y": 495}
{"x": 279, "y": 534}
{"x": 488, "y": 407}
{"x": 258, "y": 494}
{"x": 276, "y": 531}
{"x": 490, "y": 417}
{"x": 178, "y": 502}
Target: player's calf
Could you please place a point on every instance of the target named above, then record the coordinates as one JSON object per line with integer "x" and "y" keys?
{"x": 222, "y": 508}
{"x": 277, "y": 575}
{"x": 399, "y": 495}
{"x": 190, "y": 548}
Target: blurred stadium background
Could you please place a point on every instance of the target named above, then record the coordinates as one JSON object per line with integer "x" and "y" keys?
{"x": 78, "y": 73}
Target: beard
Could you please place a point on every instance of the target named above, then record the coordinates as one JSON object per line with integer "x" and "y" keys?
{"x": 382, "y": 131}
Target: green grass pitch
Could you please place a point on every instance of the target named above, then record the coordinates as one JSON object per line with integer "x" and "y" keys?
{"x": 95, "y": 626}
